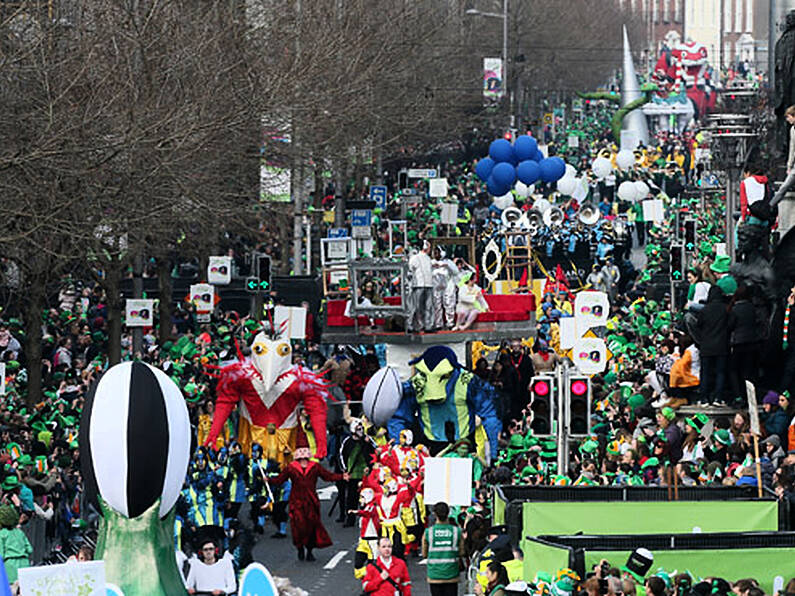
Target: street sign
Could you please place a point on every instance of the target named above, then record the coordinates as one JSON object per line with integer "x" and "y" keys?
{"x": 337, "y": 233}
{"x": 351, "y": 205}
{"x": 139, "y": 312}
{"x": 423, "y": 173}
{"x": 378, "y": 194}
{"x": 361, "y": 218}
{"x": 361, "y": 231}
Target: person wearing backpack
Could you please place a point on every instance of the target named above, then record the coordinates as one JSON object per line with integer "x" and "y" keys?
{"x": 443, "y": 547}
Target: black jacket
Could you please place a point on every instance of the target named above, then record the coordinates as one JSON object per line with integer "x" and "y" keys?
{"x": 714, "y": 322}
{"x": 745, "y": 329}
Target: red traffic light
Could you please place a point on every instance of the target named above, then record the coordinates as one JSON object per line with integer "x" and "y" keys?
{"x": 579, "y": 387}
{"x": 541, "y": 388}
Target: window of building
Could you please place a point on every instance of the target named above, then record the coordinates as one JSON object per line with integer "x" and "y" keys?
{"x": 727, "y": 15}
{"x": 738, "y": 15}
{"x": 655, "y": 13}
{"x": 677, "y": 11}
{"x": 749, "y": 16}
{"x": 666, "y": 11}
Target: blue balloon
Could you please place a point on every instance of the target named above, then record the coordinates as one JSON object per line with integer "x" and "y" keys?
{"x": 560, "y": 167}
{"x": 495, "y": 188}
{"x": 501, "y": 150}
{"x": 528, "y": 172}
{"x": 525, "y": 147}
{"x": 484, "y": 167}
{"x": 538, "y": 155}
{"x": 504, "y": 174}
{"x": 551, "y": 169}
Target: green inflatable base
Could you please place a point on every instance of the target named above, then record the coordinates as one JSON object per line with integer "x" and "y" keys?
{"x": 139, "y": 553}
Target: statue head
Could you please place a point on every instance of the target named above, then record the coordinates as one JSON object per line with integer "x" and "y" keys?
{"x": 271, "y": 358}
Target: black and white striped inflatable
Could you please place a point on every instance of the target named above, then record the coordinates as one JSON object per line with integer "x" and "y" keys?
{"x": 135, "y": 439}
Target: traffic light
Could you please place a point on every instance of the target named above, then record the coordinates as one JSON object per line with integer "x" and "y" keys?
{"x": 264, "y": 272}
{"x": 542, "y": 404}
{"x": 690, "y": 235}
{"x": 252, "y": 285}
{"x": 677, "y": 262}
{"x": 579, "y": 405}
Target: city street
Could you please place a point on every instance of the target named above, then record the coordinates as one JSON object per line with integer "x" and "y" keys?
{"x": 332, "y": 573}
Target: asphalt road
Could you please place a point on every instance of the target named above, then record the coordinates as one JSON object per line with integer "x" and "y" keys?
{"x": 332, "y": 573}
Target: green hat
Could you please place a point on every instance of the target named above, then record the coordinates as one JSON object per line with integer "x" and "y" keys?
{"x": 9, "y": 517}
{"x": 528, "y": 471}
{"x": 728, "y": 285}
{"x": 652, "y": 462}
{"x": 610, "y": 378}
{"x": 167, "y": 346}
{"x": 721, "y": 264}
{"x": 661, "y": 436}
{"x": 636, "y": 401}
{"x": 10, "y": 483}
{"x": 697, "y": 421}
{"x": 668, "y": 413}
{"x": 589, "y": 446}
{"x": 24, "y": 460}
{"x": 722, "y": 436}
{"x": 12, "y": 366}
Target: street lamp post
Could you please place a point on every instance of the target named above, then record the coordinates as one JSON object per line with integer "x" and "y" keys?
{"x": 504, "y": 17}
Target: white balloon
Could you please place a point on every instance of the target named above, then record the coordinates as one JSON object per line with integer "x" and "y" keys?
{"x": 570, "y": 171}
{"x": 542, "y": 205}
{"x": 641, "y": 190}
{"x": 567, "y": 185}
{"x": 627, "y": 191}
{"x": 522, "y": 189}
{"x": 581, "y": 189}
{"x": 625, "y": 159}
{"x": 382, "y": 395}
{"x": 504, "y": 201}
{"x": 601, "y": 167}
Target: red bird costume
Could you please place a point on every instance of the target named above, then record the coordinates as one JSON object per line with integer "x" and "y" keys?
{"x": 270, "y": 391}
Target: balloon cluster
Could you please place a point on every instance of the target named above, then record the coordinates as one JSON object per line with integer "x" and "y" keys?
{"x": 522, "y": 161}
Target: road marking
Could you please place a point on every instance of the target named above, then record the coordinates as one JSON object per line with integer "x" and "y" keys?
{"x": 335, "y": 559}
{"x": 327, "y": 493}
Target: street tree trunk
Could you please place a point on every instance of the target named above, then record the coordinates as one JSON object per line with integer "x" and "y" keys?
{"x": 31, "y": 312}
{"x": 164, "y": 282}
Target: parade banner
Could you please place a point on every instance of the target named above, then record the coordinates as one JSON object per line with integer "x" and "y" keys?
{"x": 448, "y": 479}
{"x": 86, "y": 578}
{"x": 540, "y": 556}
{"x": 764, "y": 564}
{"x": 492, "y": 79}
{"x": 674, "y": 517}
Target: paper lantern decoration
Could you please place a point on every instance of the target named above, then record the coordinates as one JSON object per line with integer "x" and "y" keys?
{"x": 580, "y": 189}
{"x": 382, "y": 395}
{"x": 625, "y": 159}
{"x": 570, "y": 171}
{"x": 627, "y": 191}
{"x": 641, "y": 190}
{"x": 501, "y": 150}
{"x": 135, "y": 439}
{"x": 566, "y": 185}
{"x": 484, "y": 167}
{"x": 528, "y": 172}
{"x": 525, "y": 147}
{"x": 601, "y": 167}
{"x": 504, "y": 174}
